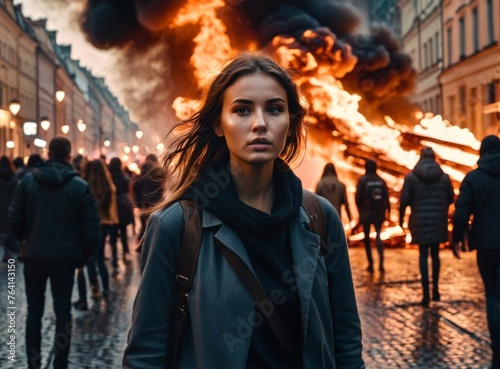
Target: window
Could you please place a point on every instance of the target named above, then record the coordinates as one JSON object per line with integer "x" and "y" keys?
{"x": 450, "y": 45}
{"x": 461, "y": 23}
{"x": 425, "y": 56}
{"x": 451, "y": 107}
{"x": 491, "y": 92}
{"x": 473, "y": 107}
{"x": 438, "y": 49}
{"x": 438, "y": 104}
{"x": 431, "y": 52}
{"x": 462, "y": 97}
{"x": 491, "y": 31}
{"x": 475, "y": 30}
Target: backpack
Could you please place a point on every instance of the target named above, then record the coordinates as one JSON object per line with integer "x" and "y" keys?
{"x": 188, "y": 258}
{"x": 374, "y": 195}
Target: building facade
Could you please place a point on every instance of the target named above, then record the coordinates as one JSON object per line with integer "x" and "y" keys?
{"x": 471, "y": 76}
{"x": 49, "y": 85}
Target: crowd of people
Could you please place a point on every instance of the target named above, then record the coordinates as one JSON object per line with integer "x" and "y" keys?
{"x": 230, "y": 177}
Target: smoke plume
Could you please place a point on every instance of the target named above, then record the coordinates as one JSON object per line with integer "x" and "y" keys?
{"x": 371, "y": 64}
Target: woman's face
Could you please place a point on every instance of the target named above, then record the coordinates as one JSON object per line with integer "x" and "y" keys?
{"x": 254, "y": 120}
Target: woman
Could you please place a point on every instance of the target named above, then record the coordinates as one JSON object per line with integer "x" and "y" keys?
{"x": 333, "y": 190}
{"x": 96, "y": 174}
{"x": 125, "y": 210}
{"x": 233, "y": 164}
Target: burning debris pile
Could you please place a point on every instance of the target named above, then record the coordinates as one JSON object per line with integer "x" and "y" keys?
{"x": 355, "y": 80}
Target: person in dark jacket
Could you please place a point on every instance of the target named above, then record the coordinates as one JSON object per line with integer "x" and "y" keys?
{"x": 125, "y": 210}
{"x": 428, "y": 191}
{"x": 55, "y": 216}
{"x": 372, "y": 201}
{"x": 332, "y": 189}
{"x": 8, "y": 183}
{"x": 480, "y": 198}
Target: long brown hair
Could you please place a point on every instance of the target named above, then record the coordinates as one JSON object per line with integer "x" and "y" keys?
{"x": 198, "y": 146}
{"x": 96, "y": 174}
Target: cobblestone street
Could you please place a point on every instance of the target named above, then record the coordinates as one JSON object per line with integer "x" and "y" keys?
{"x": 398, "y": 332}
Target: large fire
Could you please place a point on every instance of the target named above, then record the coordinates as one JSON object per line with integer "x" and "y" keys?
{"x": 334, "y": 112}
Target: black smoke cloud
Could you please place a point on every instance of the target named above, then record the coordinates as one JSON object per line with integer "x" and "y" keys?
{"x": 373, "y": 63}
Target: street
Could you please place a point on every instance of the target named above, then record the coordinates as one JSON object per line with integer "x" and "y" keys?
{"x": 397, "y": 331}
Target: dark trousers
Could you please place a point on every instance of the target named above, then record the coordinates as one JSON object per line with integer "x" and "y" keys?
{"x": 378, "y": 241}
{"x": 114, "y": 231}
{"x": 98, "y": 258}
{"x": 488, "y": 262}
{"x": 61, "y": 277}
{"x": 424, "y": 267}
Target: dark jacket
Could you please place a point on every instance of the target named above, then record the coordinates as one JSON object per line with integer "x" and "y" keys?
{"x": 480, "y": 197}
{"x": 365, "y": 214}
{"x": 55, "y": 215}
{"x": 330, "y": 321}
{"x": 8, "y": 183}
{"x": 428, "y": 191}
{"x": 123, "y": 200}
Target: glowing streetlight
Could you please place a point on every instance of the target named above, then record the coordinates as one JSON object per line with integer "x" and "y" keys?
{"x": 126, "y": 150}
{"x": 14, "y": 106}
{"x": 160, "y": 146}
{"x": 45, "y": 123}
{"x": 60, "y": 95}
{"x": 135, "y": 149}
{"x": 65, "y": 128}
{"x": 10, "y": 144}
{"x": 81, "y": 126}
{"x": 139, "y": 134}
{"x": 107, "y": 143}
{"x": 81, "y": 151}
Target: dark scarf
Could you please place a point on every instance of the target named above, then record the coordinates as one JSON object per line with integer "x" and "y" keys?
{"x": 215, "y": 191}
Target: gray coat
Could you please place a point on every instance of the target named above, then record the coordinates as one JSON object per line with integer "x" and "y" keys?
{"x": 428, "y": 191}
{"x": 220, "y": 305}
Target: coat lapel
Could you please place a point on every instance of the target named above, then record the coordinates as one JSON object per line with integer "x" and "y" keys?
{"x": 305, "y": 248}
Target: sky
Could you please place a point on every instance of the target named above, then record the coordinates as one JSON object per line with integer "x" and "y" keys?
{"x": 63, "y": 19}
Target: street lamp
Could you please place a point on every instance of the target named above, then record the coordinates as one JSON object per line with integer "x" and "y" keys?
{"x": 10, "y": 144}
{"x": 107, "y": 142}
{"x": 81, "y": 126}
{"x": 65, "y": 128}
{"x": 14, "y": 106}
{"x": 139, "y": 134}
{"x": 60, "y": 95}
{"x": 45, "y": 123}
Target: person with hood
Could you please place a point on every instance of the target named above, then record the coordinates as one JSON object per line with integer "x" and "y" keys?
{"x": 8, "y": 183}
{"x": 372, "y": 201}
{"x": 333, "y": 190}
{"x": 428, "y": 191}
{"x": 55, "y": 216}
{"x": 479, "y": 197}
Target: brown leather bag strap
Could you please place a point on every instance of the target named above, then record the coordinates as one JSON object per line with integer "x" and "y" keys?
{"x": 316, "y": 214}
{"x": 188, "y": 258}
{"x": 260, "y": 296}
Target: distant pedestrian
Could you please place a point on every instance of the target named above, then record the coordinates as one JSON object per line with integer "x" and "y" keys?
{"x": 147, "y": 189}
{"x": 55, "y": 216}
{"x": 33, "y": 160}
{"x": 20, "y": 166}
{"x": 372, "y": 200}
{"x": 96, "y": 173}
{"x": 428, "y": 191}
{"x": 480, "y": 198}
{"x": 125, "y": 209}
{"x": 332, "y": 189}
{"x": 8, "y": 183}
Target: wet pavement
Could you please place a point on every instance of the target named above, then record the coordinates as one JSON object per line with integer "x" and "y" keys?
{"x": 397, "y": 331}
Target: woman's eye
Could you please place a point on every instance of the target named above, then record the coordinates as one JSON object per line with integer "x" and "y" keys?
{"x": 275, "y": 109}
{"x": 242, "y": 110}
